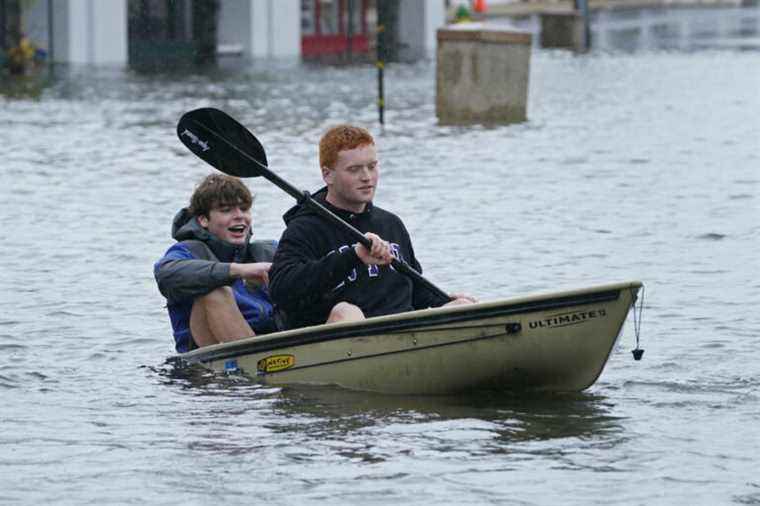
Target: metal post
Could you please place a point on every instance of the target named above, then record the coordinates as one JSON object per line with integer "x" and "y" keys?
{"x": 51, "y": 32}
{"x": 380, "y": 69}
{"x": 350, "y": 30}
{"x": 171, "y": 20}
{"x": 12, "y": 23}
{"x": 3, "y": 25}
{"x": 582, "y": 8}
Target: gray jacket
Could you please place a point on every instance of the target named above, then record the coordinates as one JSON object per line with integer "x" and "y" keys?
{"x": 200, "y": 262}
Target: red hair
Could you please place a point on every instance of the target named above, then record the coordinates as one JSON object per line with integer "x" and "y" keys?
{"x": 341, "y": 138}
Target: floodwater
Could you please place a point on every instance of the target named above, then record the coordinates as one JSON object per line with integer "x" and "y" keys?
{"x": 636, "y": 164}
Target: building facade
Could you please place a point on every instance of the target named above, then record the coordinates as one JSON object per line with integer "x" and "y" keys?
{"x": 115, "y": 31}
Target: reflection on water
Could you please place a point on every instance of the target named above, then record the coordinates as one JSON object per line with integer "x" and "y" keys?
{"x": 370, "y": 428}
{"x": 512, "y": 417}
{"x": 516, "y": 417}
{"x": 26, "y": 87}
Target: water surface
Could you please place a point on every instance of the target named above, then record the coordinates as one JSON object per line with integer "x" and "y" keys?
{"x": 633, "y": 165}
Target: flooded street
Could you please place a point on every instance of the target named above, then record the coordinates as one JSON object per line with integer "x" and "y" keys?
{"x": 641, "y": 164}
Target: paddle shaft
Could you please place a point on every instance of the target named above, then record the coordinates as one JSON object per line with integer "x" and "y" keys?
{"x": 305, "y": 198}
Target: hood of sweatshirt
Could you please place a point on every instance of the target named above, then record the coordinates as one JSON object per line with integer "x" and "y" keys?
{"x": 320, "y": 196}
{"x": 185, "y": 227}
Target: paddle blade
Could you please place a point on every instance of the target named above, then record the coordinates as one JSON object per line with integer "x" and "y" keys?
{"x": 222, "y": 142}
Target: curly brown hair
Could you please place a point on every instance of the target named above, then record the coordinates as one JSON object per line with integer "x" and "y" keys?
{"x": 217, "y": 190}
{"x": 341, "y": 138}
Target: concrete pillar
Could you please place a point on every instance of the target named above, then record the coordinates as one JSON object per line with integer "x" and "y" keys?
{"x": 90, "y": 31}
{"x": 482, "y": 75}
{"x": 418, "y": 22}
{"x": 600, "y": 34}
{"x": 646, "y": 28}
{"x": 262, "y": 28}
{"x": 285, "y": 28}
{"x": 562, "y": 30}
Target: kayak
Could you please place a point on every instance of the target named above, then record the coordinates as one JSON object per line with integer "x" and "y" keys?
{"x": 557, "y": 342}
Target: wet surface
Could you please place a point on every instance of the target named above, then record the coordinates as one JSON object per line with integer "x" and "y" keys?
{"x": 633, "y": 165}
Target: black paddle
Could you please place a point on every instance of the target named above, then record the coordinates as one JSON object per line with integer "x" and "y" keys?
{"x": 228, "y": 146}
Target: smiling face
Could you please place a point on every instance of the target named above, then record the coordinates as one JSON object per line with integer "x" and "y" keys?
{"x": 351, "y": 183}
{"x": 229, "y": 223}
{"x": 222, "y": 205}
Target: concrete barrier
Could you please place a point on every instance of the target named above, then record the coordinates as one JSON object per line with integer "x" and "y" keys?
{"x": 482, "y": 75}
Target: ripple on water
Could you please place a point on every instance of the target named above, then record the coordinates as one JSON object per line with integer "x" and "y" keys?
{"x": 7, "y": 381}
{"x": 712, "y": 236}
{"x": 11, "y": 347}
{"x": 701, "y": 385}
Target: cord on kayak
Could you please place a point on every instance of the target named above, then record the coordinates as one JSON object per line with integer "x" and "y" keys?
{"x": 638, "y": 352}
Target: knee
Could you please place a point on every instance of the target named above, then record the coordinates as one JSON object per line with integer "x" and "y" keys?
{"x": 345, "y": 312}
{"x": 221, "y": 295}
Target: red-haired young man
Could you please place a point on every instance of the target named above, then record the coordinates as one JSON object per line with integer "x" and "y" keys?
{"x": 319, "y": 274}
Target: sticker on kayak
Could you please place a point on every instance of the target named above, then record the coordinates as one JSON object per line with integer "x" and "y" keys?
{"x": 571, "y": 318}
{"x": 276, "y": 363}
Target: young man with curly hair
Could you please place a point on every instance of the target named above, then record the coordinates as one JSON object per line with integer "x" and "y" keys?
{"x": 214, "y": 278}
{"x": 318, "y": 274}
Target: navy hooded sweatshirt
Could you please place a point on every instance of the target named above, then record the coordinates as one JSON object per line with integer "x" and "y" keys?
{"x": 316, "y": 267}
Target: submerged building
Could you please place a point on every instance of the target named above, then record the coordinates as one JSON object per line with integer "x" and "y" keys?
{"x": 126, "y": 31}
